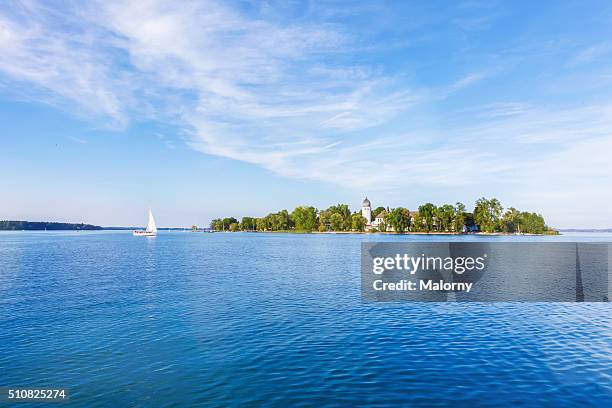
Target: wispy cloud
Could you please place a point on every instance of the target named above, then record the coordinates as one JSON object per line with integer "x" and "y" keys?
{"x": 78, "y": 140}
{"x": 293, "y": 96}
{"x": 244, "y": 87}
{"x": 591, "y": 53}
{"x": 166, "y": 141}
{"x": 62, "y": 64}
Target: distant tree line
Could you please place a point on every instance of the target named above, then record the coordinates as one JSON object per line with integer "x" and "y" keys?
{"x": 488, "y": 216}
{"x": 41, "y": 226}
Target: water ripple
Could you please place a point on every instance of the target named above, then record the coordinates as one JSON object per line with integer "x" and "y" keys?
{"x": 262, "y": 319}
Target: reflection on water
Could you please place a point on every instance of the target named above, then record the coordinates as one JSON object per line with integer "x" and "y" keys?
{"x": 150, "y": 255}
{"x": 277, "y": 320}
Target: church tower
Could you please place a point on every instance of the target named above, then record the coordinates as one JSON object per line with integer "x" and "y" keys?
{"x": 366, "y": 210}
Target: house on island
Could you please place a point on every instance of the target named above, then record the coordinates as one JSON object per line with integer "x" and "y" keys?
{"x": 378, "y": 222}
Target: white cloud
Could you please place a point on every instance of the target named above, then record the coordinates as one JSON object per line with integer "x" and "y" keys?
{"x": 248, "y": 89}
{"x": 591, "y": 53}
{"x": 273, "y": 94}
{"x": 64, "y": 68}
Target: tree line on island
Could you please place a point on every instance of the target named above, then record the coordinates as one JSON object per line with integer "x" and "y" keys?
{"x": 6, "y": 225}
{"x": 488, "y": 216}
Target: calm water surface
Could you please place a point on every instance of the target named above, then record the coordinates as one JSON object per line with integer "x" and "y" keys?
{"x": 239, "y": 319}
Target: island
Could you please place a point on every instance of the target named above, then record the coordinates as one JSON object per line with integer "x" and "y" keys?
{"x": 487, "y": 217}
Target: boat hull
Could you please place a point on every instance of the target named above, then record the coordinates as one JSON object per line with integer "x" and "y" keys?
{"x": 144, "y": 234}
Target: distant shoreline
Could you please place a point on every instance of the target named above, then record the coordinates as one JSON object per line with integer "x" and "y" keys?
{"x": 585, "y": 230}
{"x": 6, "y": 225}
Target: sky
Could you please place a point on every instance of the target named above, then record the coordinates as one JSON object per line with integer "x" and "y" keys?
{"x": 203, "y": 109}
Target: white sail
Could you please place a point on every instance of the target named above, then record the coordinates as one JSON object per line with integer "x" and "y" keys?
{"x": 151, "y": 224}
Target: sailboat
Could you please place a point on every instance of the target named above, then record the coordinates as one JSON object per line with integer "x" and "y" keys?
{"x": 151, "y": 230}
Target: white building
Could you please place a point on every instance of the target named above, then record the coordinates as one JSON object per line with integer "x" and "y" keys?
{"x": 366, "y": 211}
{"x": 380, "y": 220}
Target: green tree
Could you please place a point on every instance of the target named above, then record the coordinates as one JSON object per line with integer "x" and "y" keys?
{"x": 377, "y": 211}
{"x": 194, "y": 228}
{"x": 487, "y": 214}
{"x": 427, "y": 212}
{"x": 287, "y": 221}
{"x": 511, "y": 220}
{"x": 324, "y": 220}
{"x": 336, "y": 222}
{"x": 216, "y": 224}
{"x": 445, "y": 214}
{"x": 248, "y": 224}
{"x": 234, "y": 227}
{"x": 496, "y": 210}
{"x": 459, "y": 217}
{"x": 469, "y": 221}
{"x": 304, "y": 218}
{"x": 399, "y": 219}
{"x": 532, "y": 223}
{"x": 418, "y": 223}
{"x": 219, "y": 224}
{"x": 344, "y": 212}
{"x": 358, "y": 222}
{"x": 267, "y": 221}
{"x": 482, "y": 215}
{"x": 280, "y": 221}
{"x": 261, "y": 224}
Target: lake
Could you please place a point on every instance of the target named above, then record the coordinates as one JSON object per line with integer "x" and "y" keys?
{"x": 235, "y": 319}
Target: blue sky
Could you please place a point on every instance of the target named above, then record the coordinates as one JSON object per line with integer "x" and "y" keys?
{"x": 203, "y": 109}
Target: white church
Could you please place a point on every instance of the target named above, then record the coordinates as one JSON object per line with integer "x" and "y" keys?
{"x": 378, "y": 222}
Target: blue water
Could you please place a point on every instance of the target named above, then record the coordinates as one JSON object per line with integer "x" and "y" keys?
{"x": 188, "y": 319}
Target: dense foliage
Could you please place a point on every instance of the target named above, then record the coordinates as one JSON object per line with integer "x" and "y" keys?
{"x": 487, "y": 216}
